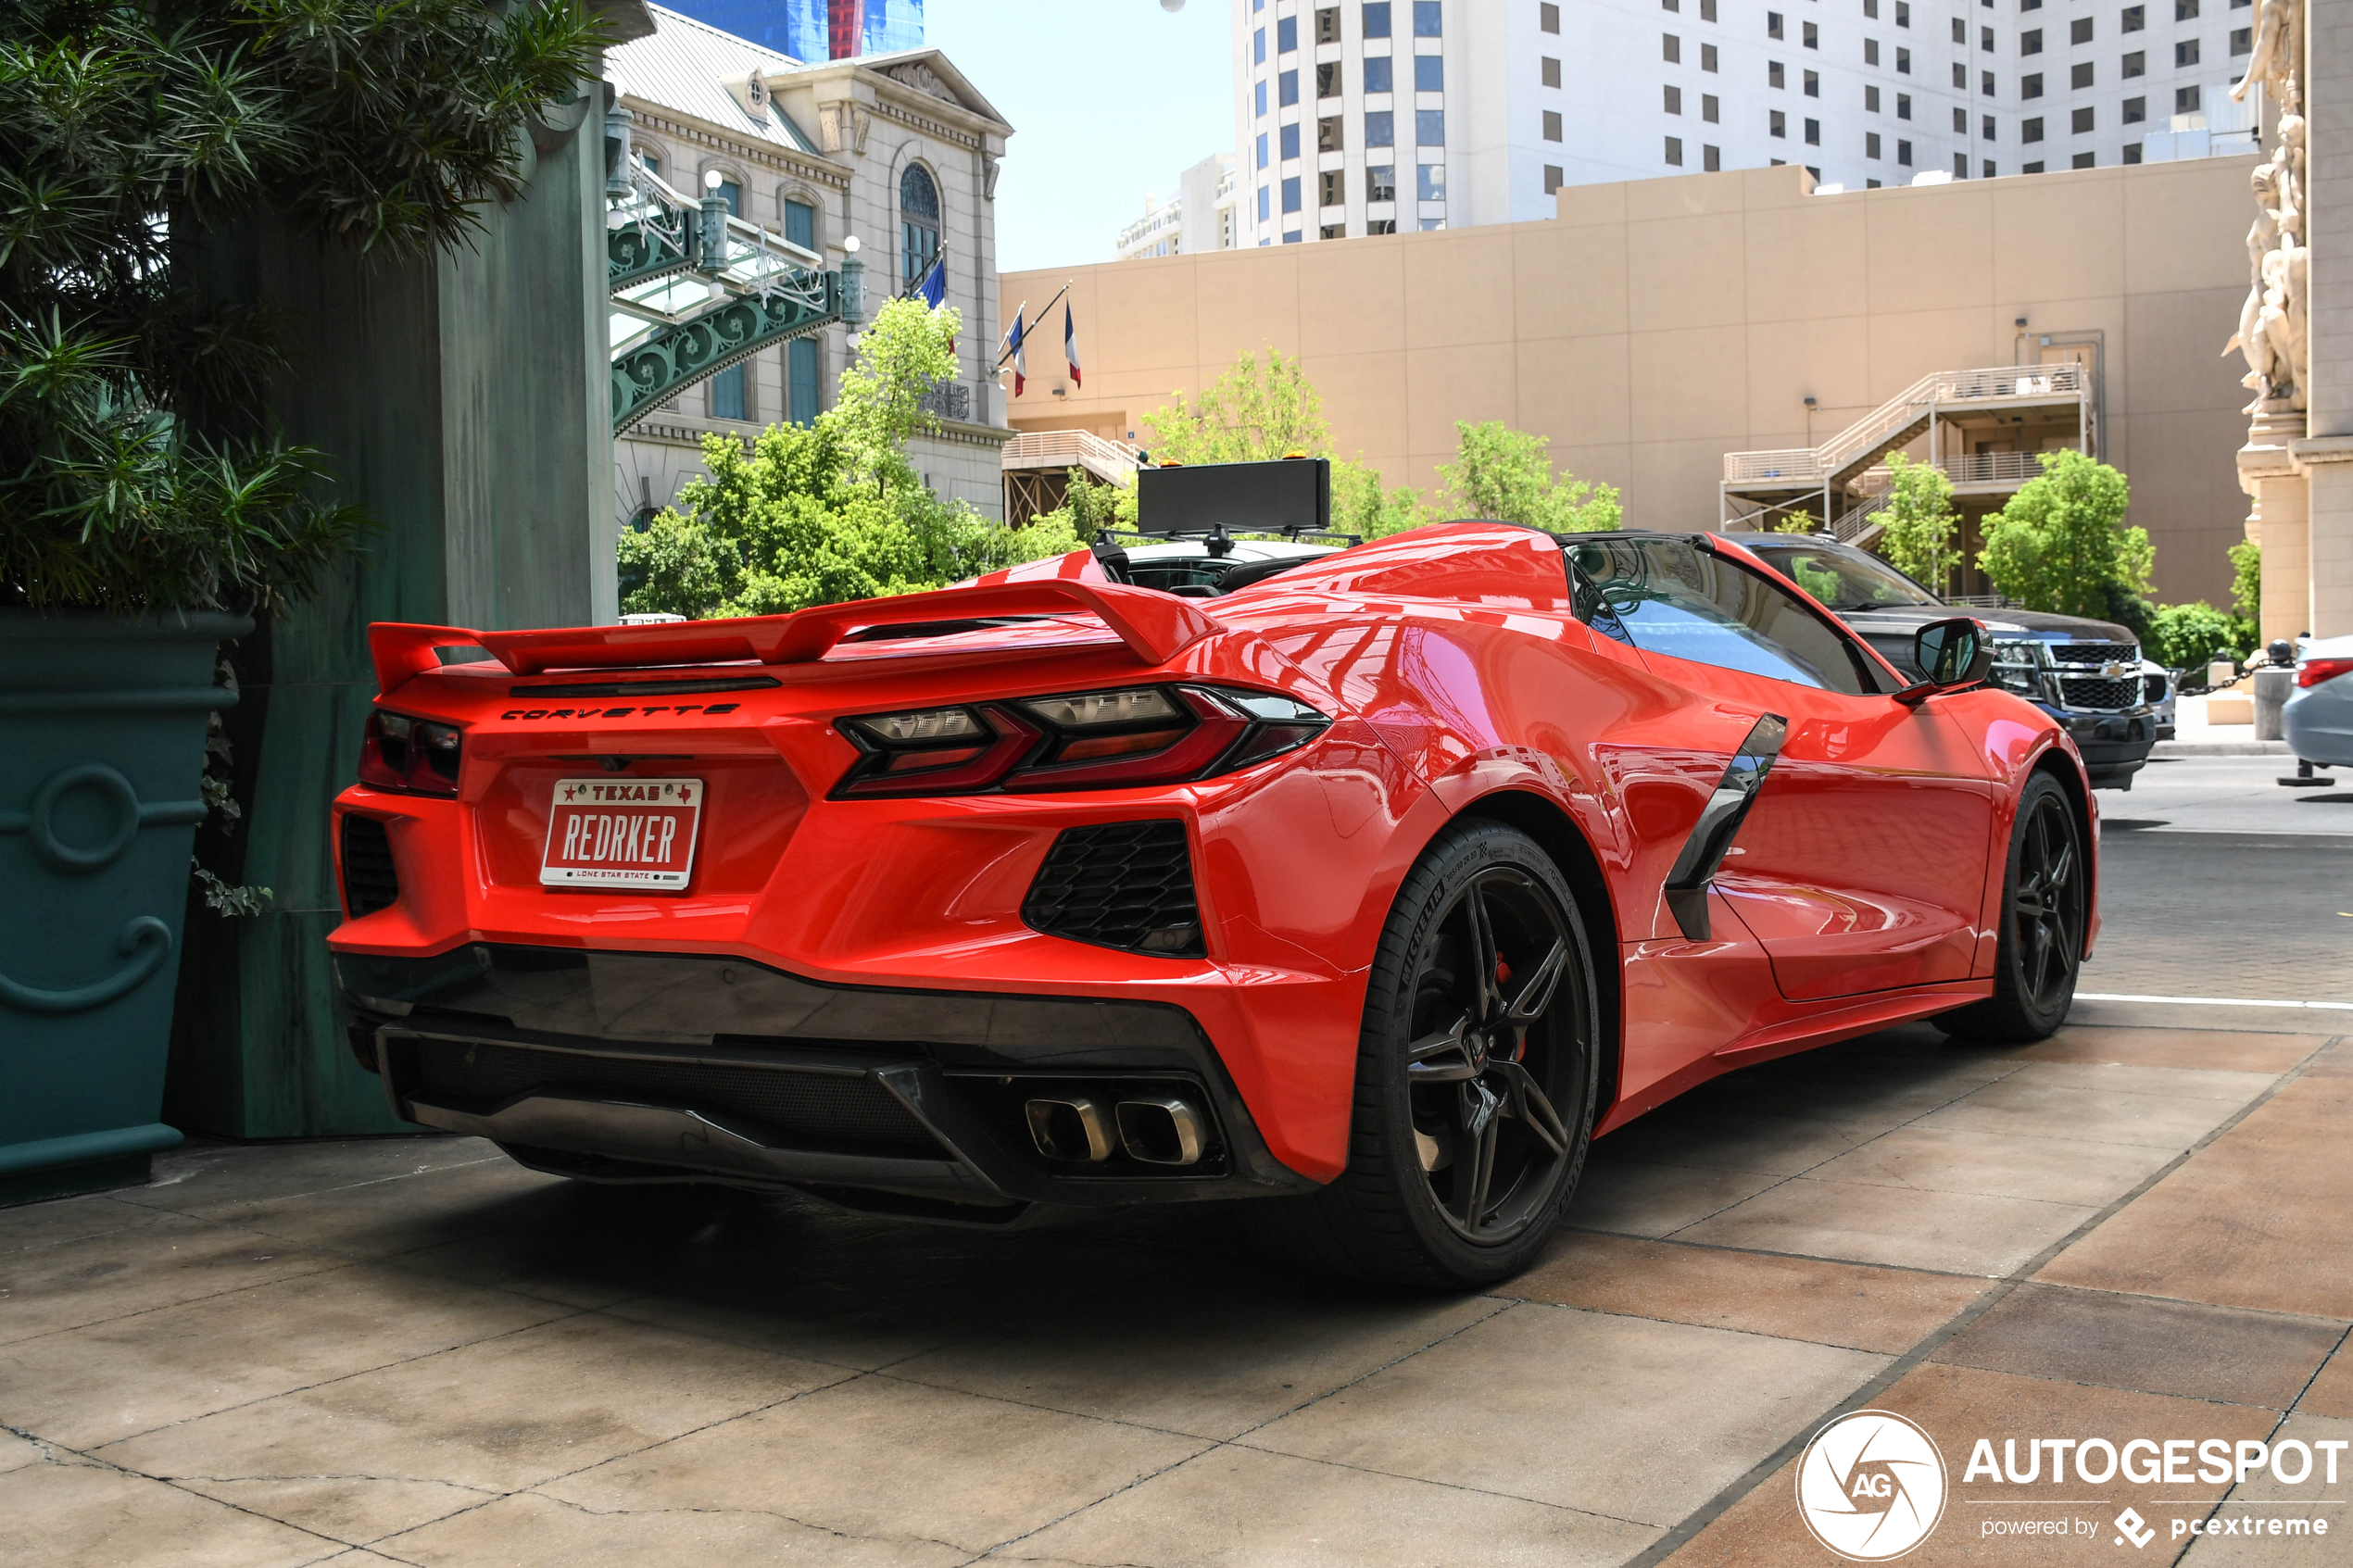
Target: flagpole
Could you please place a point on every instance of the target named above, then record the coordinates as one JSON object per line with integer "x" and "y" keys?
{"x": 1003, "y": 350}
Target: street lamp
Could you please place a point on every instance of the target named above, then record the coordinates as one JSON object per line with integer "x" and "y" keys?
{"x": 853, "y": 287}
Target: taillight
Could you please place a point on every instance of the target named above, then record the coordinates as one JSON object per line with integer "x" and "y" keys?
{"x": 2313, "y": 671}
{"x": 414, "y": 754}
{"x": 1084, "y": 740}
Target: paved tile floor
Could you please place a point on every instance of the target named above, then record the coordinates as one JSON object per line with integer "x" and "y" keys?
{"x": 412, "y": 1350}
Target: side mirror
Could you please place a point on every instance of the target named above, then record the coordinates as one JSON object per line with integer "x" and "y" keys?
{"x": 1951, "y": 655}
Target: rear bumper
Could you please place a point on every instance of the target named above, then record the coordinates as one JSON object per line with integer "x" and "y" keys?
{"x": 647, "y": 1067}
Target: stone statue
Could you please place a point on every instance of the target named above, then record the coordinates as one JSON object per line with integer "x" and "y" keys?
{"x": 2272, "y": 333}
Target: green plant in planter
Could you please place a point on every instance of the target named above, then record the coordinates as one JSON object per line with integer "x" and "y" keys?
{"x": 146, "y": 512}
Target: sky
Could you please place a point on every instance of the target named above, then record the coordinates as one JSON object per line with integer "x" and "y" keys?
{"x": 1108, "y": 99}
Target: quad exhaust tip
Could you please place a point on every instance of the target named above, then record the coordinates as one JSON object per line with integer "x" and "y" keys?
{"x": 1080, "y": 1129}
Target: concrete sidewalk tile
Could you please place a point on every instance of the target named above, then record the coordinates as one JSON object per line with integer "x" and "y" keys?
{"x": 2226, "y": 1050}
{"x": 493, "y": 1416}
{"x": 1213, "y": 1513}
{"x": 882, "y": 1459}
{"x": 202, "y": 1175}
{"x": 1887, "y": 1311}
{"x": 2030, "y": 1104}
{"x": 1725, "y": 1138}
{"x": 2337, "y": 1061}
{"x": 2332, "y": 1391}
{"x": 1209, "y": 1362}
{"x": 532, "y": 1531}
{"x": 2255, "y": 1219}
{"x": 2158, "y": 1346}
{"x": 1956, "y": 1407}
{"x": 2265, "y": 1498}
{"x": 1959, "y": 1233}
{"x": 382, "y": 1218}
{"x": 87, "y": 1516}
{"x": 1620, "y": 1416}
{"x": 1998, "y": 1165}
{"x": 117, "y": 1273}
{"x": 1640, "y": 1199}
{"x": 86, "y": 1386}
{"x": 16, "y": 1452}
{"x": 69, "y": 1218}
{"x": 2234, "y": 1089}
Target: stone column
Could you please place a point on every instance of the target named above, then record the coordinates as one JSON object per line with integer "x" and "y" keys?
{"x": 2327, "y": 462}
{"x": 2281, "y": 521}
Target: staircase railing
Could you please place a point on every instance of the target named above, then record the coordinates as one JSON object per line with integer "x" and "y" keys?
{"x": 1107, "y": 460}
{"x": 1879, "y": 429}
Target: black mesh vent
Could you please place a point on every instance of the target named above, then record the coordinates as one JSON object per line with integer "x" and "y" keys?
{"x": 819, "y": 1107}
{"x": 370, "y": 881}
{"x": 1119, "y": 885}
{"x": 2095, "y": 653}
{"x": 2099, "y": 691}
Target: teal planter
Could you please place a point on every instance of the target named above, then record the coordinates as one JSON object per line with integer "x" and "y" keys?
{"x": 102, "y": 733}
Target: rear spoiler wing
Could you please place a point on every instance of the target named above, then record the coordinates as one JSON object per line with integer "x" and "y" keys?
{"x": 1155, "y": 627}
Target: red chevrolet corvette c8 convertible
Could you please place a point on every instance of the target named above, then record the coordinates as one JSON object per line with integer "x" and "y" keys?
{"x": 1369, "y": 889}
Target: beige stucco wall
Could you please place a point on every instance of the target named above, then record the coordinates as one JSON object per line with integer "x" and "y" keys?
{"x": 1655, "y": 325}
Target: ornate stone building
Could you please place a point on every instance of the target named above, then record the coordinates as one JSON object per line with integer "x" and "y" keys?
{"x": 900, "y": 151}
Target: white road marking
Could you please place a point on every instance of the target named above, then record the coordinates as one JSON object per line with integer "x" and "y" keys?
{"x": 2208, "y": 1001}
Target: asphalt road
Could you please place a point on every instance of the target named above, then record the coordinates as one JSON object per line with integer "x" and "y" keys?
{"x": 2217, "y": 882}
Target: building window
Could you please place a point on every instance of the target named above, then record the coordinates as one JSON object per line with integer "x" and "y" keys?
{"x": 1773, "y": 24}
{"x": 2030, "y": 169}
{"x": 1377, "y": 73}
{"x": 2030, "y": 5}
{"x": 1380, "y": 128}
{"x": 1265, "y": 213}
{"x": 1813, "y": 84}
{"x": 1960, "y": 30}
{"x": 1291, "y": 194}
{"x": 1550, "y": 70}
{"x": 2186, "y": 100}
{"x": 729, "y": 399}
{"x": 1286, "y": 88}
{"x": 1670, "y": 49}
{"x": 1903, "y": 13}
{"x": 2185, "y": 52}
{"x": 918, "y": 225}
{"x": 2085, "y": 160}
{"x": 1376, "y": 18}
{"x": 1548, "y": 17}
{"x": 1776, "y": 123}
{"x": 1707, "y": 10}
{"x": 1774, "y": 75}
{"x": 2080, "y": 76}
{"x": 1430, "y": 183}
{"x": 1429, "y": 127}
{"x": 1328, "y": 137}
{"x": 1258, "y": 47}
{"x": 1675, "y": 151}
{"x": 1328, "y": 25}
{"x": 1553, "y": 123}
{"x": 1871, "y": 99}
{"x": 1332, "y": 232}
{"x": 1960, "y": 122}
{"x": 1261, "y": 150}
{"x": 1961, "y": 76}
{"x": 1670, "y": 5}
{"x": 1960, "y": 165}
{"x": 1328, "y": 80}
{"x": 2241, "y": 41}
{"x": 1428, "y": 21}
{"x": 1709, "y": 109}
{"x": 1986, "y": 170}
{"x": 1291, "y": 238}
{"x": 2031, "y": 86}
{"x": 1811, "y": 37}
{"x": 1674, "y": 99}
{"x": 1870, "y": 9}
{"x": 2131, "y": 153}
{"x": 801, "y": 381}
{"x": 1985, "y": 84}
{"x": 1988, "y": 130}
{"x": 1870, "y": 143}
{"x": 1711, "y": 159}
{"x": 2185, "y": 10}
{"x": 1984, "y": 39}
{"x": 1290, "y": 141}
{"x": 2134, "y": 18}
{"x": 1904, "y": 153}
{"x": 2135, "y": 64}
{"x": 800, "y": 224}
{"x": 2030, "y": 41}
{"x": 1380, "y": 225}
{"x": 1870, "y": 51}
{"x": 1429, "y": 73}
{"x": 1707, "y": 56}
{"x": 1902, "y": 105}
{"x": 1552, "y": 178}
{"x": 1904, "y": 61}
{"x": 2031, "y": 129}
{"x": 1812, "y": 132}
{"x": 1331, "y": 186}
{"x": 1380, "y": 183}
{"x": 1261, "y": 87}
{"x": 2136, "y": 111}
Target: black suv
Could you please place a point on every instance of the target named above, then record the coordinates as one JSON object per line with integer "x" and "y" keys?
{"x": 2086, "y": 673}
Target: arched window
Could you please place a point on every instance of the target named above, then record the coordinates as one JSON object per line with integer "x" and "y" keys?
{"x": 918, "y": 225}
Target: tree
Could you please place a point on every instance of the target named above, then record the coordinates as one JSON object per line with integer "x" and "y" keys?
{"x": 1503, "y": 473}
{"x": 1799, "y": 522}
{"x": 2061, "y": 545}
{"x": 1917, "y": 524}
{"x": 2190, "y": 636}
{"x": 1253, "y": 412}
{"x": 2247, "y": 590}
{"x": 829, "y": 511}
{"x": 135, "y": 468}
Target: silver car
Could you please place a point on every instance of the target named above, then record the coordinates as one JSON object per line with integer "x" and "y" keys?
{"x": 2318, "y": 720}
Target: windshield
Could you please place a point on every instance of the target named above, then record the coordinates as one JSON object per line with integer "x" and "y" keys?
{"x": 1842, "y": 579}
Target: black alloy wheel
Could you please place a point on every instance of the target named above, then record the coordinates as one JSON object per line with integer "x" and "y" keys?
{"x": 2045, "y": 900}
{"x": 1476, "y": 1075}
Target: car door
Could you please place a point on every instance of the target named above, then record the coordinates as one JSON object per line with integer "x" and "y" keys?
{"x": 1851, "y": 831}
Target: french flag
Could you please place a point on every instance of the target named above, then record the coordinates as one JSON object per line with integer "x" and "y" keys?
{"x": 935, "y": 291}
{"x": 1014, "y": 336}
{"x": 1070, "y": 345}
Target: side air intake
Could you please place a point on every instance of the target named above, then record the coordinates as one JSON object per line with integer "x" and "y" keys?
{"x": 370, "y": 881}
{"x": 1119, "y": 885}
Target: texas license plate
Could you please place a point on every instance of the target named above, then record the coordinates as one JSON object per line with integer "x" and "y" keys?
{"x": 622, "y": 833}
